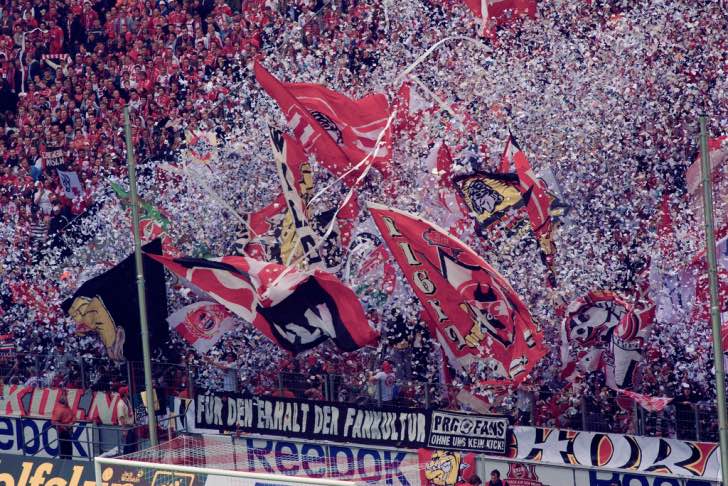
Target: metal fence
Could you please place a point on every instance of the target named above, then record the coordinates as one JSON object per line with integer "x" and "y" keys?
{"x": 695, "y": 421}
{"x": 100, "y": 439}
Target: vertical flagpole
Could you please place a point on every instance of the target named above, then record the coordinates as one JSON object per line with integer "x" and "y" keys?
{"x": 714, "y": 303}
{"x": 134, "y": 199}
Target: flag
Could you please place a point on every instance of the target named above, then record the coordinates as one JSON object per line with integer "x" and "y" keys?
{"x": 153, "y": 223}
{"x": 439, "y": 201}
{"x": 202, "y": 324}
{"x": 477, "y": 315}
{"x": 538, "y": 201}
{"x": 601, "y": 327}
{"x": 411, "y": 109}
{"x": 368, "y": 269}
{"x": 261, "y": 223}
{"x": 201, "y": 145}
{"x": 72, "y": 187}
{"x": 445, "y": 468}
{"x": 339, "y": 131}
{"x": 299, "y": 236}
{"x": 7, "y": 347}
{"x": 297, "y": 312}
{"x": 108, "y": 306}
{"x": 651, "y": 404}
{"x": 489, "y": 196}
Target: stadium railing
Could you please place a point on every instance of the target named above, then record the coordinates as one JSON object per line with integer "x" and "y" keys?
{"x": 690, "y": 422}
{"x": 102, "y": 439}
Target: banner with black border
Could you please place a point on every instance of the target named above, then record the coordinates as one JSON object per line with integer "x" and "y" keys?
{"x": 390, "y": 426}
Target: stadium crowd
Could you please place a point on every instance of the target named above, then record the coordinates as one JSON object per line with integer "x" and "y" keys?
{"x": 605, "y": 94}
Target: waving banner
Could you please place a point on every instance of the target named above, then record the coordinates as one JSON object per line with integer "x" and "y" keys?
{"x": 296, "y": 176}
{"x": 501, "y": 202}
{"x": 339, "y": 131}
{"x": 476, "y": 314}
{"x": 603, "y": 331}
{"x": 317, "y": 420}
{"x": 298, "y": 313}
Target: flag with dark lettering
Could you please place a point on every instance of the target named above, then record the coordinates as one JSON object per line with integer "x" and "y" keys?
{"x": 445, "y": 468}
{"x": 297, "y": 311}
{"x": 477, "y": 316}
{"x": 341, "y": 132}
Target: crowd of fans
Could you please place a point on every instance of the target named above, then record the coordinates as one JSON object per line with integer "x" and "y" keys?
{"x": 604, "y": 94}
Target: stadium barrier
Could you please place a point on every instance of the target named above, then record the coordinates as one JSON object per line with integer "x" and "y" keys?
{"x": 358, "y": 465}
{"x": 625, "y": 455}
{"x": 696, "y": 421}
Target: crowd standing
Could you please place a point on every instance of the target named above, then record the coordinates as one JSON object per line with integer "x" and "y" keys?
{"x": 604, "y": 94}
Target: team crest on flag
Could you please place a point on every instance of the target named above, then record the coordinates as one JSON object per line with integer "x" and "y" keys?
{"x": 341, "y": 132}
{"x": 202, "y": 324}
{"x": 297, "y": 310}
{"x": 473, "y": 311}
{"x": 609, "y": 332}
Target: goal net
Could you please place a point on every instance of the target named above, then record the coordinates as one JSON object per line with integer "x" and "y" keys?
{"x": 220, "y": 460}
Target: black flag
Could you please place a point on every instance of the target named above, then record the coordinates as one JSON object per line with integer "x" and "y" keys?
{"x": 109, "y": 306}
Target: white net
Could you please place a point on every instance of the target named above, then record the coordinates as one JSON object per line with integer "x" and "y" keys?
{"x": 288, "y": 460}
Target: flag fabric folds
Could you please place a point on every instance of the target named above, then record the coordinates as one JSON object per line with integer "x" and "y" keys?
{"x": 601, "y": 330}
{"x": 651, "y": 404}
{"x": 201, "y": 145}
{"x": 508, "y": 198}
{"x": 108, "y": 306}
{"x": 298, "y": 235}
{"x": 339, "y": 131}
{"x": 202, "y": 324}
{"x": 72, "y": 187}
{"x": 476, "y": 314}
{"x": 297, "y": 312}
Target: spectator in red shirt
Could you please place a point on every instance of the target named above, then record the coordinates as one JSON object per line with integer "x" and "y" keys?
{"x": 62, "y": 420}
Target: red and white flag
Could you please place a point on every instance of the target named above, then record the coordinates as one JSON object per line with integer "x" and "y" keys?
{"x": 538, "y": 201}
{"x": 202, "y": 324}
{"x": 297, "y": 312}
{"x": 411, "y": 109}
{"x": 651, "y": 404}
{"x": 72, "y": 187}
{"x": 476, "y": 313}
{"x": 339, "y": 131}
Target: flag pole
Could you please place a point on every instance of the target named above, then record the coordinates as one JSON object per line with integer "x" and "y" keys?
{"x": 134, "y": 201}
{"x": 714, "y": 303}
